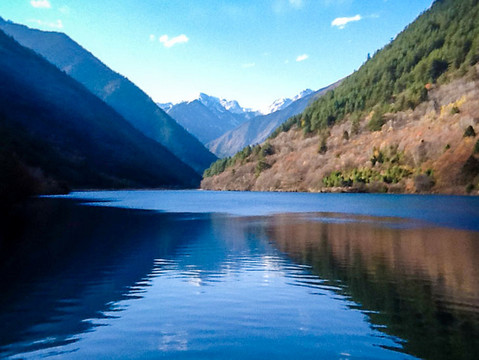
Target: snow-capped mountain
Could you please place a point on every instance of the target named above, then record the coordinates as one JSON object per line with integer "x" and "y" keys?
{"x": 257, "y": 129}
{"x": 222, "y": 105}
{"x": 208, "y": 117}
{"x": 283, "y": 103}
{"x": 165, "y": 106}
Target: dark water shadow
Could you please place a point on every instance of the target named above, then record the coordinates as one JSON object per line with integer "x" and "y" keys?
{"x": 63, "y": 266}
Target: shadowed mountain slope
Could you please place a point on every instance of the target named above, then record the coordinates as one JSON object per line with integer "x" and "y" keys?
{"x": 55, "y": 133}
{"x": 117, "y": 91}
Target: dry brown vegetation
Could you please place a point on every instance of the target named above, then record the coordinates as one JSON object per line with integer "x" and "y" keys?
{"x": 429, "y": 141}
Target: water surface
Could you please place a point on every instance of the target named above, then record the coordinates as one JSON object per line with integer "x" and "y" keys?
{"x": 205, "y": 275}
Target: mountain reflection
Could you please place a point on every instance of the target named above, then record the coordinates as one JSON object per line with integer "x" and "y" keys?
{"x": 418, "y": 283}
{"x": 206, "y": 281}
{"x": 75, "y": 263}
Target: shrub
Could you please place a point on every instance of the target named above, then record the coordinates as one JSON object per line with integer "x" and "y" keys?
{"x": 377, "y": 121}
{"x": 355, "y": 125}
{"x": 261, "y": 165}
{"x": 377, "y": 157}
{"x": 455, "y": 110}
{"x": 323, "y": 140}
{"x": 267, "y": 149}
{"x": 469, "y": 132}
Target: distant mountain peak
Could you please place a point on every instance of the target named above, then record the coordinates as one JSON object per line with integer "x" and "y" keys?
{"x": 281, "y": 103}
{"x": 165, "y": 106}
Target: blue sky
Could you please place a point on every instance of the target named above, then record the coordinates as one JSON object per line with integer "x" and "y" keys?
{"x": 253, "y": 51}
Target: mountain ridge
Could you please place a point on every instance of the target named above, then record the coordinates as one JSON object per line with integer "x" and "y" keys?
{"x": 116, "y": 90}
{"x": 56, "y": 134}
{"x": 208, "y": 117}
{"x": 256, "y": 130}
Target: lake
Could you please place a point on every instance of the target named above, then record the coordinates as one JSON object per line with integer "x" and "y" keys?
{"x": 234, "y": 275}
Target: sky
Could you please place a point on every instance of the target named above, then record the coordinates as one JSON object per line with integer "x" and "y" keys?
{"x": 252, "y": 51}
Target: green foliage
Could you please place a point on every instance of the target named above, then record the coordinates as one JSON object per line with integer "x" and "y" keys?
{"x": 455, "y": 110}
{"x": 469, "y": 132}
{"x": 217, "y": 167}
{"x": 247, "y": 154}
{"x": 390, "y": 170}
{"x": 377, "y": 157}
{"x": 267, "y": 149}
{"x": 444, "y": 40}
{"x": 395, "y": 173}
{"x": 261, "y": 165}
{"x": 377, "y": 121}
{"x": 391, "y": 175}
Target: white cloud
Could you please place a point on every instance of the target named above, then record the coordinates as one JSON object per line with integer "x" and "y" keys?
{"x": 54, "y": 25}
{"x": 341, "y": 22}
{"x": 248, "y": 65}
{"x": 152, "y": 37}
{"x": 302, "y": 57}
{"x": 167, "y": 42}
{"x": 41, "y": 4}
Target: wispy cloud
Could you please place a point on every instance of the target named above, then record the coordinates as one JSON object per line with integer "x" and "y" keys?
{"x": 296, "y": 3}
{"x": 45, "y": 4}
{"x": 302, "y": 57}
{"x": 167, "y": 42}
{"x": 341, "y": 22}
{"x": 64, "y": 10}
{"x": 54, "y": 25}
{"x": 282, "y": 6}
{"x": 248, "y": 65}
{"x": 152, "y": 37}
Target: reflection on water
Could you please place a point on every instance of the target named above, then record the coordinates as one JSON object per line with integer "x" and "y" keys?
{"x": 109, "y": 283}
{"x": 417, "y": 283}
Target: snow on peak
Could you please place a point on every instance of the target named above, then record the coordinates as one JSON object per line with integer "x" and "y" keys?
{"x": 282, "y": 103}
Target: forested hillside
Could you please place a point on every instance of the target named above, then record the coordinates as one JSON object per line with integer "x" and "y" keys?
{"x": 425, "y": 77}
{"x": 116, "y": 90}
{"x": 56, "y": 135}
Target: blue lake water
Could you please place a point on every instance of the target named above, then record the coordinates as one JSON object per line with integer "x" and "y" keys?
{"x": 232, "y": 275}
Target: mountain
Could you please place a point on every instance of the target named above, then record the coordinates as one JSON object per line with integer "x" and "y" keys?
{"x": 406, "y": 121}
{"x": 283, "y": 103}
{"x": 209, "y": 117}
{"x": 117, "y": 91}
{"x": 165, "y": 106}
{"x": 56, "y": 134}
{"x": 257, "y": 129}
